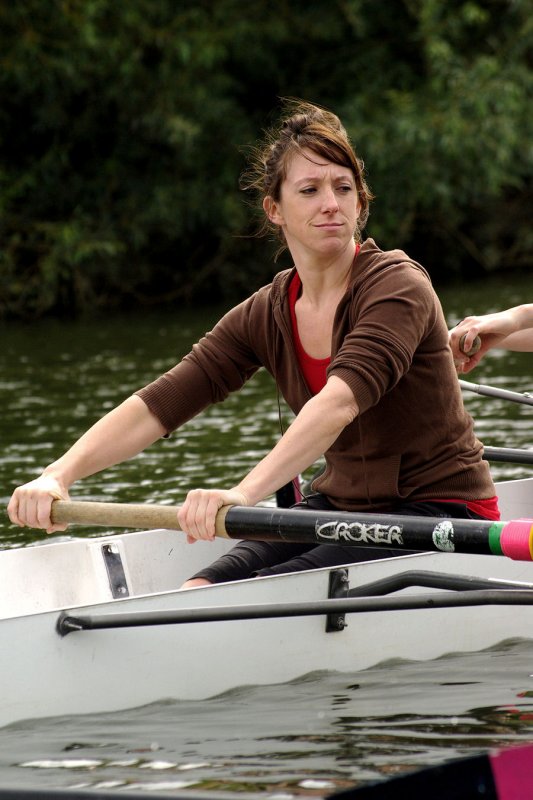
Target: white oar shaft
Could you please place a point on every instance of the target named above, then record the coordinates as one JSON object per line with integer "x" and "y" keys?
{"x": 494, "y": 391}
{"x": 124, "y": 515}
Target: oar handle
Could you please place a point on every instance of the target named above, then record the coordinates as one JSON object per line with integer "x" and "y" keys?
{"x": 125, "y": 515}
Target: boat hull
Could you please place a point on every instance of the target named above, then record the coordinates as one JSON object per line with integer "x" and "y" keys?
{"x": 45, "y": 674}
{"x": 106, "y": 670}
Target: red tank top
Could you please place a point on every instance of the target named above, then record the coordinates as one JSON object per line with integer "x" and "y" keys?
{"x": 313, "y": 369}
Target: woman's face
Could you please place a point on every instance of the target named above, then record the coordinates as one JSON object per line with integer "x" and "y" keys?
{"x": 318, "y": 206}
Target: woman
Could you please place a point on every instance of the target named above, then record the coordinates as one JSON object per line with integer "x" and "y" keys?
{"x": 511, "y": 329}
{"x": 357, "y": 343}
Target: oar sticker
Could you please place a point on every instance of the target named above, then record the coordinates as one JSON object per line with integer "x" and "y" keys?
{"x": 359, "y": 533}
{"x": 443, "y": 536}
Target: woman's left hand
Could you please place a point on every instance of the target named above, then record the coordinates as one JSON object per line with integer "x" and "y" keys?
{"x": 197, "y": 515}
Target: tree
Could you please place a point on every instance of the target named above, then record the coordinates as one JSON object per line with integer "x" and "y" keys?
{"x": 124, "y": 129}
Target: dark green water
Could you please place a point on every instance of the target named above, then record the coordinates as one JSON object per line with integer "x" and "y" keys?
{"x": 307, "y": 737}
{"x": 57, "y": 378}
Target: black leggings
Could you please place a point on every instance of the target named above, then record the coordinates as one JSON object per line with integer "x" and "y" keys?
{"x": 249, "y": 559}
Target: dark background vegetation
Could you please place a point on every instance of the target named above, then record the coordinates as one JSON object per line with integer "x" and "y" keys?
{"x": 124, "y": 128}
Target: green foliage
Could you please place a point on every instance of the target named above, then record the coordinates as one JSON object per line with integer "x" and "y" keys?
{"x": 123, "y": 128}
{"x": 449, "y": 145}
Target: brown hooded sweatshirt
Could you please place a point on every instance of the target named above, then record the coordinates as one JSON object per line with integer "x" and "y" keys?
{"x": 412, "y": 439}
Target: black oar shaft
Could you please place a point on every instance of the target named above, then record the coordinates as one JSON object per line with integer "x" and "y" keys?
{"x": 359, "y": 530}
{"x": 512, "y": 455}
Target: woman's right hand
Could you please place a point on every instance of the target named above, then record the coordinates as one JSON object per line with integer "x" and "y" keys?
{"x": 30, "y": 505}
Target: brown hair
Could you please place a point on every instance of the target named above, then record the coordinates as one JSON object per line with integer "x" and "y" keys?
{"x": 313, "y": 128}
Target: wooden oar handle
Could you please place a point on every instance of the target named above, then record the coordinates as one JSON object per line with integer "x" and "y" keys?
{"x": 125, "y": 515}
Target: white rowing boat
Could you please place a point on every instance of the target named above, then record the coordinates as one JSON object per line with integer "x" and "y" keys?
{"x": 258, "y": 631}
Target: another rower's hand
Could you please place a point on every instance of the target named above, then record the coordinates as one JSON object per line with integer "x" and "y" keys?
{"x": 492, "y": 330}
{"x": 30, "y": 505}
{"x": 198, "y": 513}
{"x": 462, "y": 339}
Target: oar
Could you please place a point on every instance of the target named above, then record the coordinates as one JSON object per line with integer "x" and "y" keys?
{"x": 494, "y": 391}
{"x": 513, "y": 455}
{"x": 513, "y": 539}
